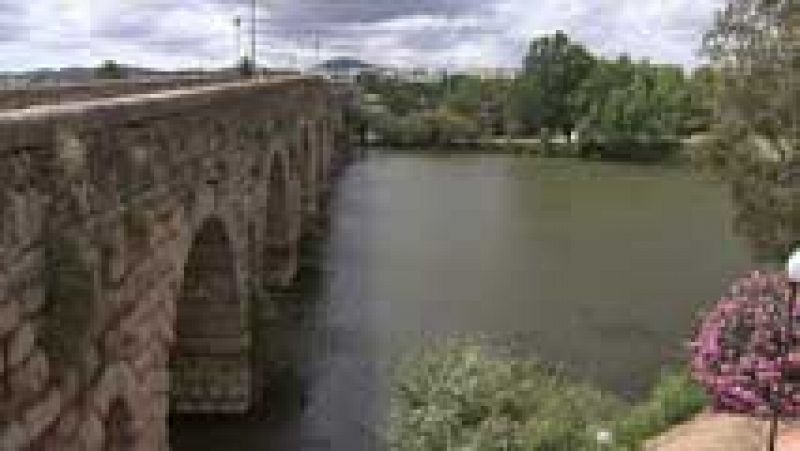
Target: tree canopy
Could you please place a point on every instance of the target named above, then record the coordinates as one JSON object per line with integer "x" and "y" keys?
{"x": 553, "y": 69}
{"x": 754, "y": 49}
{"x": 109, "y": 69}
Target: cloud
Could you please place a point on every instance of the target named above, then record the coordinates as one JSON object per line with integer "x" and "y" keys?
{"x": 175, "y": 33}
{"x": 341, "y": 12}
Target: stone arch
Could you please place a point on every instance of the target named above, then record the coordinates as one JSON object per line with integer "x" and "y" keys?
{"x": 282, "y": 223}
{"x": 118, "y": 426}
{"x": 209, "y": 363}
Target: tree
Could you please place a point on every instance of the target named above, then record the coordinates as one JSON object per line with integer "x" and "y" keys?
{"x": 109, "y": 69}
{"x": 632, "y": 111}
{"x": 465, "y": 97}
{"x": 756, "y": 128}
{"x": 553, "y": 69}
{"x": 703, "y": 85}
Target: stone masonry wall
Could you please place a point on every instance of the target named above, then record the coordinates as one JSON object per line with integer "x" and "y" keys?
{"x": 102, "y": 205}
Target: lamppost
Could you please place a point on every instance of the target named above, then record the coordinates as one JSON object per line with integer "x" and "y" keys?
{"x": 793, "y": 271}
{"x": 237, "y": 25}
{"x": 793, "y": 274}
{"x": 253, "y": 34}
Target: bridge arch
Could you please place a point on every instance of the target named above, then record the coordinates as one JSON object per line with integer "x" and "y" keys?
{"x": 282, "y": 222}
{"x": 209, "y": 362}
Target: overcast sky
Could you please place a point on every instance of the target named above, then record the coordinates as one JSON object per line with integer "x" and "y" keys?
{"x": 428, "y": 33}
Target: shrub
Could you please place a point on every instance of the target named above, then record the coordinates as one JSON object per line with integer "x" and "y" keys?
{"x": 744, "y": 352}
{"x": 457, "y": 395}
{"x": 674, "y": 399}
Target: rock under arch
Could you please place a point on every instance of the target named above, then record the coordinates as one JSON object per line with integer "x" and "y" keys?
{"x": 210, "y": 362}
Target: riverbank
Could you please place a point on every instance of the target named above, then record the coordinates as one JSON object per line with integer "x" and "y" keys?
{"x": 458, "y": 393}
{"x": 462, "y": 394}
{"x": 682, "y": 153}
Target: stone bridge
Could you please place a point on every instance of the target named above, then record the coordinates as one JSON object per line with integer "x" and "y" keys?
{"x": 136, "y": 234}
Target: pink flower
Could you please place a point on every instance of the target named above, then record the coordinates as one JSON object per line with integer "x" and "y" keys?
{"x": 743, "y": 348}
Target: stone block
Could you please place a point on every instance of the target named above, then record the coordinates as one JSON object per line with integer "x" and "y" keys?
{"x": 10, "y": 313}
{"x": 13, "y": 437}
{"x": 90, "y": 434}
{"x": 33, "y": 299}
{"x": 116, "y": 382}
{"x": 42, "y": 414}
{"x": 30, "y": 378}
{"x": 20, "y": 344}
{"x": 67, "y": 425}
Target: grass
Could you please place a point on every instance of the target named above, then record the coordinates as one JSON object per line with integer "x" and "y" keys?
{"x": 456, "y": 396}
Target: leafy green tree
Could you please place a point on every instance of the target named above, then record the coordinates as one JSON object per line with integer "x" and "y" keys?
{"x": 465, "y": 97}
{"x": 109, "y": 69}
{"x": 553, "y": 69}
{"x": 754, "y": 50}
{"x": 703, "y": 85}
{"x": 633, "y": 111}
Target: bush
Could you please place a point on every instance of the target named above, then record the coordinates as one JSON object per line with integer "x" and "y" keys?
{"x": 744, "y": 353}
{"x": 674, "y": 399}
{"x": 456, "y": 395}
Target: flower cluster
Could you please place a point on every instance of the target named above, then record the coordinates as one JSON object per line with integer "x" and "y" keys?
{"x": 746, "y": 350}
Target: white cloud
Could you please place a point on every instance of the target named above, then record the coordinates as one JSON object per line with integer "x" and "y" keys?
{"x": 181, "y": 33}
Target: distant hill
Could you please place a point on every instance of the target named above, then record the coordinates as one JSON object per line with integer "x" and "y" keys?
{"x": 343, "y": 64}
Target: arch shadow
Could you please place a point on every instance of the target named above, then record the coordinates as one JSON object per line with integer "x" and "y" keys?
{"x": 210, "y": 362}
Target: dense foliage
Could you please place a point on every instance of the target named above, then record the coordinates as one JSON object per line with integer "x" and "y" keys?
{"x": 554, "y": 69}
{"x": 756, "y": 131}
{"x": 633, "y": 110}
{"x": 459, "y": 108}
{"x": 459, "y": 396}
{"x": 621, "y": 109}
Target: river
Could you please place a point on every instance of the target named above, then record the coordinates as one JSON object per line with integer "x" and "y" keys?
{"x": 602, "y": 267}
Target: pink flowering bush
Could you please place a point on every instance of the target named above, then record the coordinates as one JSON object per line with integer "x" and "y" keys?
{"x": 746, "y": 354}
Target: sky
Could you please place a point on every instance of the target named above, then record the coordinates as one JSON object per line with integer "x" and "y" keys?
{"x": 171, "y": 34}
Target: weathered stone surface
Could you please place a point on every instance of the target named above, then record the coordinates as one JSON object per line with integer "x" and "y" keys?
{"x": 33, "y": 299}
{"x": 20, "y": 344}
{"x": 13, "y": 437}
{"x": 29, "y": 378}
{"x": 117, "y": 381}
{"x": 67, "y": 426}
{"x": 141, "y": 227}
{"x": 42, "y": 414}
{"x": 90, "y": 434}
{"x": 9, "y": 316}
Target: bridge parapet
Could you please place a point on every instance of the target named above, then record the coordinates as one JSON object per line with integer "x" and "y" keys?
{"x": 19, "y": 97}
{"x": 134, "y": 233}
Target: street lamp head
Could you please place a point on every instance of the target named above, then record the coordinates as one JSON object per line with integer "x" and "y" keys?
{"x": 793, "y": 266}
